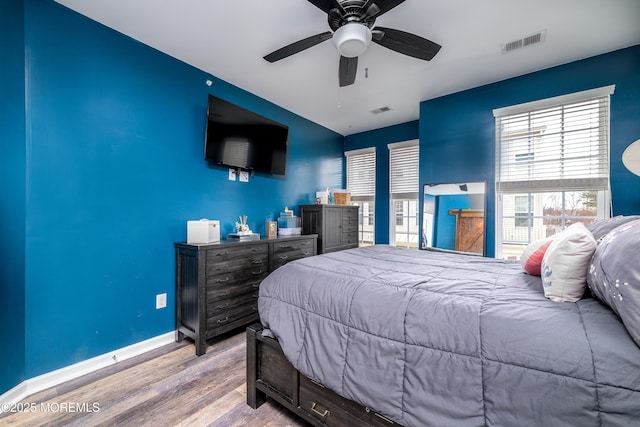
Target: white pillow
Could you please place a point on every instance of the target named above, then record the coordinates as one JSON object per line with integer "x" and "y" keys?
{"x": 565, "y": 263}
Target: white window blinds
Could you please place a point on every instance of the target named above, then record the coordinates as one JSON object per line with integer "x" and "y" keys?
{"x": 361, "y": 174}
{"x": 558, "y": 143}
{"x": 404, "y": 169}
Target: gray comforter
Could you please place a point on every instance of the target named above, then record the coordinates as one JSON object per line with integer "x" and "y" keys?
{"x": 439, "y": 339}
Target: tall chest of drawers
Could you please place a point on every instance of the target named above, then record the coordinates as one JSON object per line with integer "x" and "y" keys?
{"x": 217, "y": 284}
{"x": 335, "y": 225}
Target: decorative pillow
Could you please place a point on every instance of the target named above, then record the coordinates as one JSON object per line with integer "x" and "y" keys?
{"x": 531, "y": 258}
{"x": 614, "y": 274}
{"x": 602, "y": 227}
{"x": 565, "y": 264}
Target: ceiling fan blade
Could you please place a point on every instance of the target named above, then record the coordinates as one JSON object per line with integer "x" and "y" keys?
{"x": 405, "y": 43}
{"x": 379, "y": 6}
{"x": 298, "y": 46}
{"x": 347, "y": 71}
{"x": 327, "y": 5}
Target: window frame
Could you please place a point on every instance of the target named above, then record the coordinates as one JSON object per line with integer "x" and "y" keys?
{"x": 599, "y": 184}
{"x": 363, "y": 194}
{"x": 404, "y": 189}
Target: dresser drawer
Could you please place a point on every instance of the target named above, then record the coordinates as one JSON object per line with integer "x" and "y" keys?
{"x": 217, "y": 293}
{"x": 351, "y": 238}
{"x": 221, "y": 267}
{"x": 285, "y": 252}
{"x": 231, "y": 258}
{"x": 224, "y": 279}
{"x": 293, "y": 245}
{"x": 220, "y": 319}
{"x": 225, "y": 306}
{"x": 334, "y": 409}
{"x": 349, "y": 216}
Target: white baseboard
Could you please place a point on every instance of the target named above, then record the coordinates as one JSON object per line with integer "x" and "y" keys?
{"x": 54, "y": 378}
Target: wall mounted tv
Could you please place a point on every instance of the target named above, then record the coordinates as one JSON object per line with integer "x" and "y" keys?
{"x": 240, "y": 138}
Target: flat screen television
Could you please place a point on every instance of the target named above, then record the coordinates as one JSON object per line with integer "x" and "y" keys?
{"x": 240, "y": 138}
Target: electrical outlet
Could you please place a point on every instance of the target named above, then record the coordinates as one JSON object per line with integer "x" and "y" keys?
{"x": 161, "y": 301}
{"x": 244, "y": 176}
{"x": 232, "y": 174}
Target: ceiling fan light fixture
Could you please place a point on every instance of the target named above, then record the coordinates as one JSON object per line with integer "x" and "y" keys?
{"x": 352, "y": 39}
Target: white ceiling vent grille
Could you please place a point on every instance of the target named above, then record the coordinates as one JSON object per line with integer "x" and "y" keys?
{"x": 381, "y": 110}
{"x": 529, "y": 40}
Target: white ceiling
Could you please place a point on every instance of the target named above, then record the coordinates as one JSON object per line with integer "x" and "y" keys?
{"x": 229, "y": 38}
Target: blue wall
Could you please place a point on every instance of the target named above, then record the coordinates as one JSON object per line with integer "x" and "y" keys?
{"x": 12, "y": 203}
{"x": 114, "y": 168}
{"x": 457, "y": 132}
{"x": 379, "y": 139}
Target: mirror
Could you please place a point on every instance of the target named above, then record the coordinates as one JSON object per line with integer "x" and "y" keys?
{"x": 453, "y": 217}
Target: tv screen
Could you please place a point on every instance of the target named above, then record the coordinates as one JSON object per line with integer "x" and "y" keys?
{"x": 240, "y": 138}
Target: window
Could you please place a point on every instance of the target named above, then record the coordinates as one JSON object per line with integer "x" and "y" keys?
{"x": 552, "y": 167}
{"x": 400, "y": 208}
{"x": 404, "y": 189}
{"x": 522, "y": 210}
{"x": 361, "y": 183}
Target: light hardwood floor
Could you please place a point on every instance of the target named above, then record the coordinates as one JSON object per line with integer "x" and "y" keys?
{"x": 169, "y": 386}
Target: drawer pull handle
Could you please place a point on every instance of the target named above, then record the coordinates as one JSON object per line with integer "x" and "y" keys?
{"x": 317, "y": 384}
{"x": 225, "y": 279}
{"x": 220, "y": 307}
{"x": 255, "y": 285}
{"x": 256, "y": 261}
{"x": 225, "y": 320}
{"x": 383, "y": 417}
{"x": 306, "y": 253}
{"x": 283, "y": 257}
{"x": 222, "y": 253}
{"x": 254, "y": 308}
{"x": 257, "y": 272}
{"x": 322, "y": 414}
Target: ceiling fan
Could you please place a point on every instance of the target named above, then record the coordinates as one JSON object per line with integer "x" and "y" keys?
{"x": 352, "y": 29}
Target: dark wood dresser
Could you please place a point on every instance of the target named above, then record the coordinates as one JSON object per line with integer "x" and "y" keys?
{"x": 335, "y": 225}
{"x": 217, "y": 284}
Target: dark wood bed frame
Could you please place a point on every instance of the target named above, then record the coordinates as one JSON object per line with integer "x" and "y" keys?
{"x": 269, "y": 374}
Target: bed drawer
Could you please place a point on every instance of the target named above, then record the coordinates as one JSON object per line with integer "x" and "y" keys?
{"x": 333, "y": 410}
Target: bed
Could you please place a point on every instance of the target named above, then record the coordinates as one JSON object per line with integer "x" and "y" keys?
{"x": 382, "y": 335}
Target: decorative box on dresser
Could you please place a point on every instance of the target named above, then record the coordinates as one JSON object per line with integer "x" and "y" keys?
{"x": 217, "y": 283}
{"x": 335, "y": 225}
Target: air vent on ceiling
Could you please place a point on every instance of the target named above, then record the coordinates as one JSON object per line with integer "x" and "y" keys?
{"x": 529, "y": 40}
{"x": 381, "y": 110}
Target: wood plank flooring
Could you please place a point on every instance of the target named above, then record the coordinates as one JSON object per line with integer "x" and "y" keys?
{"x": 169, "y": 386}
